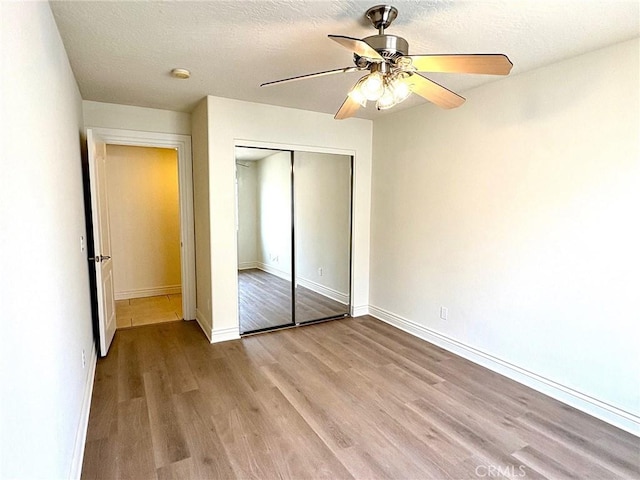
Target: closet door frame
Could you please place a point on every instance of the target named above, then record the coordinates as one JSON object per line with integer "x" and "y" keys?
{"x": 291, "y": 148}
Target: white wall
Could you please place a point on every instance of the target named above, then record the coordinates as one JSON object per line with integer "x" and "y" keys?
{"x": 144, "y": 216}
{"x": 322, "y": 212}
{"x": 273, "y": 196}
{"x": 519, "y": 212}
{"x": 202, "y": 223}
{"x": 247, "y": 215}
{"x": 232, "y": 122}
{"x": 128, "y": 117}
{"x": 44, "y": 285}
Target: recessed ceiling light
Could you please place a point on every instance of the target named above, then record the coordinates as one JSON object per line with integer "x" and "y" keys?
{"x": 182, "y": 73}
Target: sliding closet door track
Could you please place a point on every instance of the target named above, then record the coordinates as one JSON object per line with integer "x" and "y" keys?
{"x": 302, "y": 324}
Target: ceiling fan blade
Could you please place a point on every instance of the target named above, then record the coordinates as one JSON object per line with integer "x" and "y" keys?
{"x": 491, "y": 64}
{"x": 312, "y": 75}
{"x": 357, "y": 46}
{"x": 348, "y": 109}
{"x": 433, "y": 92}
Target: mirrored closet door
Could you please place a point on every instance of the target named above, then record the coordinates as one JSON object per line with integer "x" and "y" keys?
{"x": 264, "y": 231}
{"x": 322, "y": 209}
{"x": 294, "y": 237}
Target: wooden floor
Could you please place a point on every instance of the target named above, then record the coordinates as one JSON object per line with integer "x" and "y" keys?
{"x": 265, "y": 301}
{"x": 148, "y": 310}
{"x": 351, "y": 398}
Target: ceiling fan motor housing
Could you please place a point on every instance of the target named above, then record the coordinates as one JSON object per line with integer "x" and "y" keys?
{"x": 381, "y": 16}
{"x": 389, "y": 47}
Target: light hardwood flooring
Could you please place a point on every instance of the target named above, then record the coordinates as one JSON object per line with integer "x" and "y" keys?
{"x": 351, "y": 398}
{"x": 265, "y": 301}
{"x": 148, "y": 310}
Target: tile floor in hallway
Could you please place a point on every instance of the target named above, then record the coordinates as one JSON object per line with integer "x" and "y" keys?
{"x": 144, "y": 311}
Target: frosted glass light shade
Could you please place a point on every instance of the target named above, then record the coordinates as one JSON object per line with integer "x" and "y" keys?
{"x": 400, "y": 90}
{"x": 357, "y": 96}
{"x": 387, "y": 99}
{"x": 372, "y": 87}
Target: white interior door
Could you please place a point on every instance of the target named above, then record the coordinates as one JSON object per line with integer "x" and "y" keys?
{"x": 101, "y": 240}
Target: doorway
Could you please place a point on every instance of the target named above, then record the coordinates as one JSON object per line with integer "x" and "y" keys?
{"x": 99, "y": 140}
{"x": 294, "y": 237}
{"x": 144, "y": 220}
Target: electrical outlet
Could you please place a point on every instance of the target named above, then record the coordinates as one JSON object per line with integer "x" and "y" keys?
{"x": 82, "y": 243}
{"x": 84, "y": 359}
{"x": 320, "y": 271}
{"x": 444, "y": 313}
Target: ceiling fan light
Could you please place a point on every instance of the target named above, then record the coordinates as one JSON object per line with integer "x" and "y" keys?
{"x": 400, "y": 90}
{"x": 372, "y": 87}
{"x": 387, "y": 100}
{"x": 357, "y": 96}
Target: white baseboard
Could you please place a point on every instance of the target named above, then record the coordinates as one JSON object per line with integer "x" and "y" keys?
{"x": 148, "y": 292}
{"x": 219, "y": 335}
{"x": 225, "y": 334}
{"x": 247, "y": 265}
{"x": 205, "y": 324}
{"x": 323, "y": 290}
{"x": 592, "y": 406}
{"x": 358, "y": 311}
{"x": 274, "y": 271}
{"x": 83, "y": 425}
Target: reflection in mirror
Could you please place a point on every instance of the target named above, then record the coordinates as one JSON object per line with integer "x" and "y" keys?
{"x": 263, "y": 192}
{"x": 322, "y": 206}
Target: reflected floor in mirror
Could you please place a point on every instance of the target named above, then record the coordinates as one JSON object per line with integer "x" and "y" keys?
{"x": 265, "y": 301}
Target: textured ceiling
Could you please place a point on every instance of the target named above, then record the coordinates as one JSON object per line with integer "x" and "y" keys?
{"x": 122, "y": 52}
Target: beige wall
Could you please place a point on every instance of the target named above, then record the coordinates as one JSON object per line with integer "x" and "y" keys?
{"x": 144, "y": 215}
{"x": 44, "y": 282}
{"x": 518, "y": 212}
{"x": 128, "y": 117}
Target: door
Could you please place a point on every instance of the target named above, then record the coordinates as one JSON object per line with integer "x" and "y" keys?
{"x": 96, "y": 148}
{"x": 294, "y": 237}
{"x": 264, "y": 233}
{"x": 322, "y": 213}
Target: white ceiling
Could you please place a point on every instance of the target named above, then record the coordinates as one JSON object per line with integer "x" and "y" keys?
{"x": 122, "y": 52}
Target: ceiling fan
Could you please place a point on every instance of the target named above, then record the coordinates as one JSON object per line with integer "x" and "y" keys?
{"x": 393, "y": 73}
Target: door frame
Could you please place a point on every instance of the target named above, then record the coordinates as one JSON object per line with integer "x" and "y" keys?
{"x": 182, "y": 145}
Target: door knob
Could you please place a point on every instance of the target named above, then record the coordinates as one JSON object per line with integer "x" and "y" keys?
{"x": 100, "y": 258}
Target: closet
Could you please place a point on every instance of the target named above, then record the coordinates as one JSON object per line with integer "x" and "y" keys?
{"x": 293, "y": 214}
